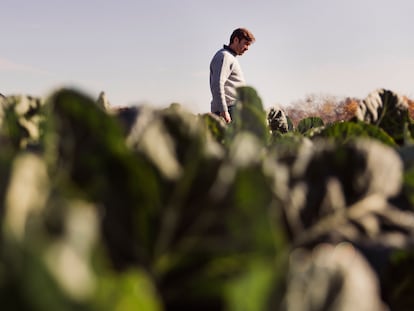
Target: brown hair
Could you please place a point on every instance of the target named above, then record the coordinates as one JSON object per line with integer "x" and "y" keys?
{"x": 242, "y": 33}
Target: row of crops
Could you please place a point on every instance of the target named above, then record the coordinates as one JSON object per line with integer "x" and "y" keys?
{"x": 138, "y": 208}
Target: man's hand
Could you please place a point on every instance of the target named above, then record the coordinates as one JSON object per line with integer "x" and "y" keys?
{"x": 226, "y": 116}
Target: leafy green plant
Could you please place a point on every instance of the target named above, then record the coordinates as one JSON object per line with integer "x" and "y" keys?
{"x": 309, "y": 123}
{"x": 160, "y": 209}
{"x": 348, "y": 130}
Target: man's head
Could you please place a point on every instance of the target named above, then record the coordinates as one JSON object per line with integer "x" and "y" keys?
{"x": 240, "y": 40}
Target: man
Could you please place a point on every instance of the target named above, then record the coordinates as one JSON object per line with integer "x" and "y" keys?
{"x": 226, "y": 75}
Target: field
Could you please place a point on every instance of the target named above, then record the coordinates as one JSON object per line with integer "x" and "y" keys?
{"x": 136, "y": 208}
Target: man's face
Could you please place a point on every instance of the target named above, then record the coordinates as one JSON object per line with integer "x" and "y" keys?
{"x": 240, "y": 46}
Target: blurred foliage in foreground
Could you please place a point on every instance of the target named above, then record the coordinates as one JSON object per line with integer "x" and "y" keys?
{"x": 142, "y": 209}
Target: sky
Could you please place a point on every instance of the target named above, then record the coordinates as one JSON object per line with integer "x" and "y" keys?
{"x": 158, "y": 52}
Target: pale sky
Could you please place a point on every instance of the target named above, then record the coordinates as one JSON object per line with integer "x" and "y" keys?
{"x": 158, "y": 51}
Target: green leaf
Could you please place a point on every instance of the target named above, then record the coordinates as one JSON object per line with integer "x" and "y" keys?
{"x": 128, "y": 290}
{"x": 92, "y": 160}
{"x": 250, "y": 291}
{"x": 306, "y": 124}
{"x": 216, "y": 127}
{"x": 397, "y": 283}
{"x": 26, "y": 283}
{"x": 250, "y": 115}
{"x": 343, "y": 132}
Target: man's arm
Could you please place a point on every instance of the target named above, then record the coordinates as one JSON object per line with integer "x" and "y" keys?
{"x": 220, "y": 73}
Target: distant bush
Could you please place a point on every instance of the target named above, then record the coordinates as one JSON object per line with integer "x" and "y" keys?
{"x": 329, "y": 108}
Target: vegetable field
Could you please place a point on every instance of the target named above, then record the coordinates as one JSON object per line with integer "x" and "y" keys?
{"x": 138, "y": 208}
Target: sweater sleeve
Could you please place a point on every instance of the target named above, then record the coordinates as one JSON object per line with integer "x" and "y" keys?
{"x": 220, "y": 72}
